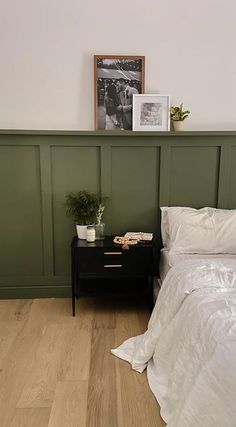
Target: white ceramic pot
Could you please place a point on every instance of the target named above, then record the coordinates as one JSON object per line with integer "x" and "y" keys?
{"x": 178, "y": 125}
{"x": 81, "y": 231}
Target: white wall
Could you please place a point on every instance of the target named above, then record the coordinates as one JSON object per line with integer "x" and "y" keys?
{"x": 46, "y": 48}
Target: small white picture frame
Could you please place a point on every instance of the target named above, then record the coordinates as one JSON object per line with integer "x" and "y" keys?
{"x": 151, "y": 112}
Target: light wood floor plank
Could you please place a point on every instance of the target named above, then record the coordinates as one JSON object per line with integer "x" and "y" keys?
{"x": 132, "y": 319}
{"x": 8, "y": 333}
{"x": 60, "y": 311}
{"x": 70, "y": 405}
{"x": 75, "y": 357}
{"x": 31, "y": 417}
{"x": 102, "y": 404}
{"x": 41, "y": 384}
{"x": 138, "y": 404}
{"x": 120, "y": 412}
{"x": 104, "y": 313}
{"x": 85, "y": 313}
{"x": 52, "y": 363}
{"x": 15, "y": 309}
{"x": 17, "y": 365}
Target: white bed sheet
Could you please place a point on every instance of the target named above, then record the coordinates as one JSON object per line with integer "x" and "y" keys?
{"x": 169, "y": 260}
{"x": 189, "y": 348}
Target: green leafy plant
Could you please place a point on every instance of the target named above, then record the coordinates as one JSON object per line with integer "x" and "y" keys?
{"x": 84, "y": 207}
{"x": 178, "y": 114}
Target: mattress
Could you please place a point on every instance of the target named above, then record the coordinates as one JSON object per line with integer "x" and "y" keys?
{"x": 167, "y": 260}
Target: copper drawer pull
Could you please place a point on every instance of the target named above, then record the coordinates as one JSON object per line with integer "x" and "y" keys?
{"x": 113, "y": 265}
{"x": 112, "y": 253}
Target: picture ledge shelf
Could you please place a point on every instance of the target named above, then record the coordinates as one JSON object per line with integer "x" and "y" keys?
{"x": 106, "y": 133}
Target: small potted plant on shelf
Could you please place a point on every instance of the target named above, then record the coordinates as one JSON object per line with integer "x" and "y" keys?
{"x": 178, "y": 115}
{"x": 86, "y": 209}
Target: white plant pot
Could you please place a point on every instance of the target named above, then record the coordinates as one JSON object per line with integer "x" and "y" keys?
{"x": 81, "y": 231}
{"x": 178, "y": 125}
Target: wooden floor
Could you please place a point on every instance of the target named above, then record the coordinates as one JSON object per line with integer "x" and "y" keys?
{"x": 57, "y": 371}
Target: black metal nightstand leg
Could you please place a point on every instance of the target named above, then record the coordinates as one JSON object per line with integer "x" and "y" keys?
{"x": 73, "y": 277}
{"x": 73, "y": 296}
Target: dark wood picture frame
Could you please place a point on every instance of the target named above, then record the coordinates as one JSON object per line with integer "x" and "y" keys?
{"x": 116, "y": 70}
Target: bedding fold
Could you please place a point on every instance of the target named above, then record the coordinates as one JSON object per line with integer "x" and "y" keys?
{"x": 189, "y": 348}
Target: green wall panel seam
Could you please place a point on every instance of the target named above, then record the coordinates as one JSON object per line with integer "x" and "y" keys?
{"x": 46, "y": 197}
{"x": 164, "y": 190}
{"x": 105, "y": 171}
{"x": 224, "y": 176}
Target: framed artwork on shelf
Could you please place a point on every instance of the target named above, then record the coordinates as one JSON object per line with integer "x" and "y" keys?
{"x": 117, "y": 78}
{"x": 151, "y": 112}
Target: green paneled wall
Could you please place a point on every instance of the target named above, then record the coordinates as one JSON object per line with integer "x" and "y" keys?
{"x": 194, "y": 176}
{"x": 135, "y": 188}
{"x": 138, "y": 171}
{"x": 20, "y": 212}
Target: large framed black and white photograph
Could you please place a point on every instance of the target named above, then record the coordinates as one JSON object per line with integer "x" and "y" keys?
{"x": 151, "y": 112}
{"x": 117, "y": 79}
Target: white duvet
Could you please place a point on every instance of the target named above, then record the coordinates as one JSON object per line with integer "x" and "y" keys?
{"x": 189, "y": 348}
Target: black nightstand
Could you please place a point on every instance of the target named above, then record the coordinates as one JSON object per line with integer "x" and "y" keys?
{"x": 104, "y": 259}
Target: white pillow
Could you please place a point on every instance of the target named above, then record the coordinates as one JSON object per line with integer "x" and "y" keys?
{"x": 202, "y": 231}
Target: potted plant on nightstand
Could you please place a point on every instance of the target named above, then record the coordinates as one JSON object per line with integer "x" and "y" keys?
{"x": 85, "y": 208}
{"x": 178, "y": 115}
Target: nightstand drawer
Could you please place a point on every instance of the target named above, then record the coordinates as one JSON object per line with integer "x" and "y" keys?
{"x": 115, "y": 262}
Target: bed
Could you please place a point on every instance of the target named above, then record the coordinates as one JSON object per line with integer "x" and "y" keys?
{"x": 189, "y": 348}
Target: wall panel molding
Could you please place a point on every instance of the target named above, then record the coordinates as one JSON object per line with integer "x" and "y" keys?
{"x": 138, "y": 171}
